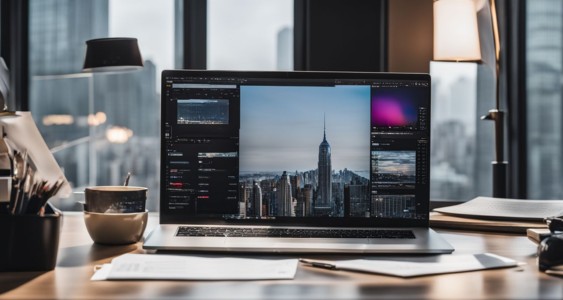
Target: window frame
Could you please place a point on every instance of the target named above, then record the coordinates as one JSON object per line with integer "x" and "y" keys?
{"x": 512, "y": 26}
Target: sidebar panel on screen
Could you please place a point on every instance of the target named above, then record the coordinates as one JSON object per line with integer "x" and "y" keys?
{"x": 400, "y": 149}
{"x": 201, "y": 144}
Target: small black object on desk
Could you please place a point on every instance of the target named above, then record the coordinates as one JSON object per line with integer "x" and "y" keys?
{"x": 550, "y": 250}
{"x": 30, "y": 242}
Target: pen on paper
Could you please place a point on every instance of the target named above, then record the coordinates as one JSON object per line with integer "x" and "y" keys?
{"x": 317, "y": 264}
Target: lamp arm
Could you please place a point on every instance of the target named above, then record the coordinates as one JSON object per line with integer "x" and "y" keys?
{"x": 497, "y": 115}
{"x": 496, "y": 37}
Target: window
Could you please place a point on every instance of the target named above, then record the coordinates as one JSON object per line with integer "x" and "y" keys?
{"x": 459, "y": 170}
{"x": 544, "y": 54}
{"x": 250, "y": 35}
{"x": 100, "y": 126}
{"x": 462, "y": 145}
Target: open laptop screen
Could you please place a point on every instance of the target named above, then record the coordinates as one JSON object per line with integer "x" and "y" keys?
{"x": 299, "y": 147}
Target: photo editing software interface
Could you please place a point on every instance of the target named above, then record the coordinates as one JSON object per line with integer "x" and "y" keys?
{"x": 265, "y": 148}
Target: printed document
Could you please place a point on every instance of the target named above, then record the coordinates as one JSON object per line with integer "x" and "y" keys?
{"x": 184, "y": 267}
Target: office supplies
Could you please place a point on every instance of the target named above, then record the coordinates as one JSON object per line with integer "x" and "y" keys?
{"x": 295, "y": 162}
{"x": 179, "y": 267}
{"x": 126, "y": 183}
{"x": 412, "y": 268}
{"x": 30, "y": 242}
{"x": 6, "y": 169}
{"x": 21, "y": 134}
{"x": 550, "y": 249}
{"x": 505, "y": 209}
{"x": 35, "y": 175}
{"x": 439, "y": 220}
{"x": 550, "y": 252}
{"x": 29, "y": 194}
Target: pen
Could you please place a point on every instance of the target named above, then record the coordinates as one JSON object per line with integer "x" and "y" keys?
{"x": 126, "y": 183}
{"x": 318, "y": 264}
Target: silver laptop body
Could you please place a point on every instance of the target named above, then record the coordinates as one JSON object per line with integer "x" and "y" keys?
{"x": 295, "y": 162}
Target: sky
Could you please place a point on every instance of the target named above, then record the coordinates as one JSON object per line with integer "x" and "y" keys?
{"x": 282, "y": 127}
{"x": 242, "y": 34}
{"x": 152, "y": 23}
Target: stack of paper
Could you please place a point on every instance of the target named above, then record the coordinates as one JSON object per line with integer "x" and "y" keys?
{"x": 506, "y": 209}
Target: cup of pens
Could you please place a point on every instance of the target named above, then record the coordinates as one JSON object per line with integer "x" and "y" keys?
{"x": 115, "y": 215}
{"x": 29, "y": 225}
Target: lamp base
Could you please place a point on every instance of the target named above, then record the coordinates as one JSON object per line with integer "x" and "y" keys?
{"x": 500, "y": 170}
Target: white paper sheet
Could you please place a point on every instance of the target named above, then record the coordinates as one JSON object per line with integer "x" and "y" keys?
{"x": 445, "y": 264}
{"x": 184, "y": 267}
{"x": 505, "y": 209}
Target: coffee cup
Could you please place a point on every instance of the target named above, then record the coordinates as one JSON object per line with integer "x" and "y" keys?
{"x": 116, "y": 228}
{"x": 115, "y": 199}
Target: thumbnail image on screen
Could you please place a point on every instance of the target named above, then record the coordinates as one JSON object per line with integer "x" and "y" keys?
{"x": 203, "y": 111}
{"x": 393, "y": 169}
{"x": 395, "y": 108}
{"x": 300, "y": 146}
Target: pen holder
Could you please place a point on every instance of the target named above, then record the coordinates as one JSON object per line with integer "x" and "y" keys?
{"x": 30, "y": 242}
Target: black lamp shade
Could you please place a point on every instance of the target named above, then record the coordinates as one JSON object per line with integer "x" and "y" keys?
{"x": 112, "y": 54}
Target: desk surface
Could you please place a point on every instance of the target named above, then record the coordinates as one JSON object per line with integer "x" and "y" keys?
{"x": 78, "y": 256}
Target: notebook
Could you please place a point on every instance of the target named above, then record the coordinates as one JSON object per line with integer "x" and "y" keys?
{"x": 328, "y": 162}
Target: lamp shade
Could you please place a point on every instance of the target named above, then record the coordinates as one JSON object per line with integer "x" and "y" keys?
{"x": 456, "y": 35}
{"x": 112, "y": 54}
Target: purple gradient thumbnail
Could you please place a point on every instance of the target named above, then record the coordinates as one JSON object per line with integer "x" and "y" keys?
{"x": 393, "y": 110}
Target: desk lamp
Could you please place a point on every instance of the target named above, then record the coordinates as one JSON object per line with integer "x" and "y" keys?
{"x": 456, "y": 38}
{"x": 112, "y": 55}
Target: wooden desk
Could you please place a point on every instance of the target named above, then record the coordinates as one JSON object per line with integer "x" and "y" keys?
{"x": 78, "y": 256}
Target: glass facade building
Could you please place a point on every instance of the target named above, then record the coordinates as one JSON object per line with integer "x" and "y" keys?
{"x": 544, "y": 54}
{"x": 99, "y": 126}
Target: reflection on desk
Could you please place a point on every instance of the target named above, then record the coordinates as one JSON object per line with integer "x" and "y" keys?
{"x": 78, "y": 256}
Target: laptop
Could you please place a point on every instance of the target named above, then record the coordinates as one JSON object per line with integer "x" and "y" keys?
{"x": 295, "y": 162}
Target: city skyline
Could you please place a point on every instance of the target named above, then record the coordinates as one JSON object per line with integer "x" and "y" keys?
{"x": 280, "y": 130}
{"x": 395, "y": 162}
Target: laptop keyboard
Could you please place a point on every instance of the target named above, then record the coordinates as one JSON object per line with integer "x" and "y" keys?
{"x": 294, "y": 232}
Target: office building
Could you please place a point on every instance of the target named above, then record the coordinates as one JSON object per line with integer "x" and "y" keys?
{"x": 323, "y": 204}
{"x": 257, "y": 200}
{"x": 98, "y": 105}
{"x": 283, "y": 196}
{"x": 545, "y": 89}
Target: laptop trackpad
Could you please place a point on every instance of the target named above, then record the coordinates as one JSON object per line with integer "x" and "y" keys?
{"x": 291, "y": 243}
{"x": 356, "y": 244}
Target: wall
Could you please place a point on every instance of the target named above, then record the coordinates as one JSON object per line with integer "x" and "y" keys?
{"x": 410, "y": 35}
{"x": 339, "y": 35}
